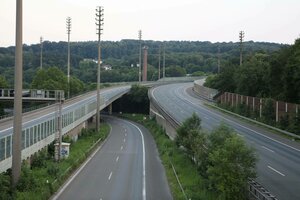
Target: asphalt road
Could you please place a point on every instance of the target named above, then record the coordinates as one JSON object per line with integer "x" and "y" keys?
{"x": 127, "y": 167}
{"x": 278, "y": 167}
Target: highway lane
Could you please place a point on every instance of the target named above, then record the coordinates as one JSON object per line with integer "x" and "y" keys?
{"x": 279, "y": 158}
{"x": 127, "y": 167}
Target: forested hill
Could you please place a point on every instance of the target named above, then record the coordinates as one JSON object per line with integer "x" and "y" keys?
{"x": 192, "y": 56}
{"x": 263, "y": 75}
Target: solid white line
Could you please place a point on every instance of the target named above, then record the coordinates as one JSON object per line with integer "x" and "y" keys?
{"x": 156, "y": 113}
{"x": 121, "y": 148}
{"x": 267, "y": 149}
{"x": 276, "y": 170}
{"x": 110, "y": 176}
{"x": 79, "y": 170}
{"x": 144, "y": 161}
{"x": 117, "y": 159}
{"x": 201, "y": 107}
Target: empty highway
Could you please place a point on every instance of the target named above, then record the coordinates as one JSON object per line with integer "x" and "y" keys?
{"x": 278, "y": 167}
{"x": 126, "y": 167}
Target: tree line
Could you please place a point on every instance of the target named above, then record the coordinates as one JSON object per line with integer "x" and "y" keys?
{"x": 275, "y": 75}
{"x": 182, "y": 57}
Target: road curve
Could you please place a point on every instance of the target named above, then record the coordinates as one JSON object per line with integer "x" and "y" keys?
{"x": 126, "y": 167}
{"x": 279, "y": 158}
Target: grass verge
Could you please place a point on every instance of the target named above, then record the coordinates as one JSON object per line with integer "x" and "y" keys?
{"x": 42, "y": 181}
{"x": 251, "y": 121}
{"x": 193, "y": 184}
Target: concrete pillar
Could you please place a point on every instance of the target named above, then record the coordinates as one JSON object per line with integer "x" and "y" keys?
{"x": 277, "y": 117}
{"x": 145, "y": 63}
{"x": 260, "y": 108}
{"x": 110, "y": 109}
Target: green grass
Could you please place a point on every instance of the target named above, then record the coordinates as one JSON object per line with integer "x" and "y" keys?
{"x": 193, "y": 184}
{"x": 216, "y": 107}
{"x": 79, "y": 151}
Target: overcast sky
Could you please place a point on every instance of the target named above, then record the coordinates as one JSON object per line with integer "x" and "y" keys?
{"x": 196, "y": 20}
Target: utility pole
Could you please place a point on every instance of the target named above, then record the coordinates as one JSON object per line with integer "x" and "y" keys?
{"x": 159, "y": 54}
{"x": 41, "y": 59}
{"x": 99, "y": 24}
{"x": 219, "y": 60}
{"x": 140, "y": 56}
{"x": 164, "y": 60}
{"x": 68, "y": 32}
{"x": 16, "y": 148}
{"x": 241, "y": 36}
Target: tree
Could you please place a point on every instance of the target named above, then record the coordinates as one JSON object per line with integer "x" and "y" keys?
{"x": 231, "y": 164}
{"x": 175, "y": 71}
{"x": 187, "y": 133}
{"x": 50, "y": 79}
{"x": 76, "y": 86}
{"x": 3, "y": 82}
{"x": 251, "y": 78}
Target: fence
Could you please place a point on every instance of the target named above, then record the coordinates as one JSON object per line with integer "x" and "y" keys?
{"x": 281, "y": 109}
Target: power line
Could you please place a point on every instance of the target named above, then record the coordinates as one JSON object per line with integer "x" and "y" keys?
{"x": 17, "y": 126}
{"x": 140, "y": 56}
{"x": 99, "y": 24}
{"x": 41, "y": 59}
{"x": 241, "y": 36}
{"x": 68, "y": 32}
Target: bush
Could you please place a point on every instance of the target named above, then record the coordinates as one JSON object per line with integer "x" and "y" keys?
{"x": 5, "y": 186}
{"x": 39, "y": 159}
{"x": 27, "y": 180}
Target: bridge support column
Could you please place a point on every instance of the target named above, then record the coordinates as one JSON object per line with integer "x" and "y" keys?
{"x": 110, "y": 109}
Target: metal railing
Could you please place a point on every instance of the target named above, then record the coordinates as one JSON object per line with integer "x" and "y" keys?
{"x": 256, "y": 190}
{"x": 33, "y": 94}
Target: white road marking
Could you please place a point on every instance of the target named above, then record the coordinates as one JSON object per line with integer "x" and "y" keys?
{"x": 267, "y": 149}
{"x": 156, "y": 113}
{"x": 110, "y": 176}
{"x": 121, "y": 148}
{"x": 117, "y": 159}
{"x": 224, "y": 118}
{"x": 124, "y": 140}
{"x": 78, "y": 171}
{"x": 144, "y": 161}
{"x": 125, "y": 134}
{"x": 240, "y": 135}
{"x": 276, "y": 170}
{"x": 206, "y": 118}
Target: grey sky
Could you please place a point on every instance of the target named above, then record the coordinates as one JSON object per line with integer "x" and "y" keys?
{"x": 203, "y": 20}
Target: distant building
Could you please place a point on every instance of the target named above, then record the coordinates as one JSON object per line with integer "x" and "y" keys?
{"x": 107, "y": 67}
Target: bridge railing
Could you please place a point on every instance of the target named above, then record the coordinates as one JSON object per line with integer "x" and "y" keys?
{"x": 33, "y": 94}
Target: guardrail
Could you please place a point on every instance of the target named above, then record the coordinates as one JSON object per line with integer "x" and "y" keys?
{"x": 256, "y": 190}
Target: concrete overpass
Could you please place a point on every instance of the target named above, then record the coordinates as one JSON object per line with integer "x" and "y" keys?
{"x": 40, "y": 127}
